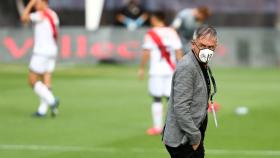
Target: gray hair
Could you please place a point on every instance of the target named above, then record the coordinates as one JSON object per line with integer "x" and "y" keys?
{"x": 203, "y": 31}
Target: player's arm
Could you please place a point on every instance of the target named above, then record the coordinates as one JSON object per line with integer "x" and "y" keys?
{"x": 25, "y": 17}
{"x": 179, "y": 54}
{"x": 177, "y": 46}
{"x": 144, "y": 16}
{"x": 121, "y": 18}
{"x": 143, "y": 63}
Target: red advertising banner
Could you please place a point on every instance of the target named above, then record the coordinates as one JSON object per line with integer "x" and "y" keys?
{"x": 76, "y": 45}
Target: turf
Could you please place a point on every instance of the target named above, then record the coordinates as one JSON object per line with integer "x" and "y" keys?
{"x": 105, "y": 111}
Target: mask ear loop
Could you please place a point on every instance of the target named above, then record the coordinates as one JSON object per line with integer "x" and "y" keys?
{"x": 197, "y": 56}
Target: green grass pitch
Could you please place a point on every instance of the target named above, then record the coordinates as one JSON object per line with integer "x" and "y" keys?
{"x": 105, "y": 111}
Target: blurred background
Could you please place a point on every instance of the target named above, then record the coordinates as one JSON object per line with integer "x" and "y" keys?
{"x": 106, "y": 109}
{"x": 247, "y": 29}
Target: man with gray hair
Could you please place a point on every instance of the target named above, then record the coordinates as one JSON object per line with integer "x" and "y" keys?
{"x": 186, "y": 119}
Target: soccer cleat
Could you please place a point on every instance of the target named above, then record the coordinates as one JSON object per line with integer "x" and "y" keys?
{"x": 54, "y": 108}
{"x": 38, "y": 115}
{"x": 154, "y": 131}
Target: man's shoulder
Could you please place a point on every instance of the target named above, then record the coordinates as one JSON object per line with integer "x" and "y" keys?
{"x": 185, "y": 11}
{"x": 186, "y": 64}
{"x": 187, "y": 60}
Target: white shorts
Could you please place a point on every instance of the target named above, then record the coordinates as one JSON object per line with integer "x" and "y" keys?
{"x": 160, "y": 86}
{"x": 42, "y": 64}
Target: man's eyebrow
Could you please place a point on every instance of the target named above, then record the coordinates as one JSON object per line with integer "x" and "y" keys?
{"x": 204, "y": 45}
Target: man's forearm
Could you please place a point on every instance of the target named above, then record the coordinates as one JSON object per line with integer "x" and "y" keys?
{"x": 144, "y": 59}
{"x": 27, "y": 11}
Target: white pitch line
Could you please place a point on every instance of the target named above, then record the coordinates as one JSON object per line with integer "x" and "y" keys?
{"x": 272, "y": 153}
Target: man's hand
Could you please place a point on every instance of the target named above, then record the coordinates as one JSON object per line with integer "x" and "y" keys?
{"x": 32, "y": 3}
{"x": 195, "y": 146}
{"x": 141, "y": 73}
{"x": 120, "y": 18}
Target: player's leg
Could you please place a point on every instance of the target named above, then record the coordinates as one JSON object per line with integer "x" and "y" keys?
{"x": 157, "y": 113}
{"x": 155, "y": 88}
{"x": 43, "y": 91}
{"x": 38, "y": 66}
{"x": 167, "y": 83}
{"x": 34, "y": 76}
{"x": 47, "y": 79}
{"x": 43, "y": 107}
{"x": 160, "y": 86}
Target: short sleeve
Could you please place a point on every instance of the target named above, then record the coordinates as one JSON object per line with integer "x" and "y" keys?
{"x": 57, "y": 22}
{"x": 148, "y": 42}
{"x": 177, "y": 22}
{"x": 56, "y": 19}
{"x": 36, "y": 17}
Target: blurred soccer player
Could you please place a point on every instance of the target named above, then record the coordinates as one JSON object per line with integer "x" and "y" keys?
{"x": 187, "y": 21}
{"x": 42, "y": 63}
{"x": 162, "y": 47}
{"x": 132, "y": 15}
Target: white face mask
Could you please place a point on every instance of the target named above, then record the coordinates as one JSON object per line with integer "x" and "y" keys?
{"x": 205, "y": 55}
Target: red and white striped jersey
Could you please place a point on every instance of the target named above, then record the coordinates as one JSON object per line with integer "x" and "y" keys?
{"x": 171, "y": 40}
{"x": 46, "y": 26}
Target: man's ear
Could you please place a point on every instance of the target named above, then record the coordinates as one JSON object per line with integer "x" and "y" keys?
{"x": 192, "y": 41}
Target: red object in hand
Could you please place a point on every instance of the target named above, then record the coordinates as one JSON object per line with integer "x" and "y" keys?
{"x": 216, "y": 107}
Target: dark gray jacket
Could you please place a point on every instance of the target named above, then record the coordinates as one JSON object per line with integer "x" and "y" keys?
{"x": 188, "y": 103}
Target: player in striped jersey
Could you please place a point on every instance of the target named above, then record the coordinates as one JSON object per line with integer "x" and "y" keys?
{"x": 43, "y": 59}
{"x": 162, "y": 48}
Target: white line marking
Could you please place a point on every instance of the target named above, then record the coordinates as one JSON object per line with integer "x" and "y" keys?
{"x": 134, "y": 150}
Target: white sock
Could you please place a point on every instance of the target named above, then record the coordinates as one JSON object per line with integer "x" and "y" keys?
{"x": 43, "y": 107}
{"x": 157, "y": 112}
{"x": 43, "y": 92}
